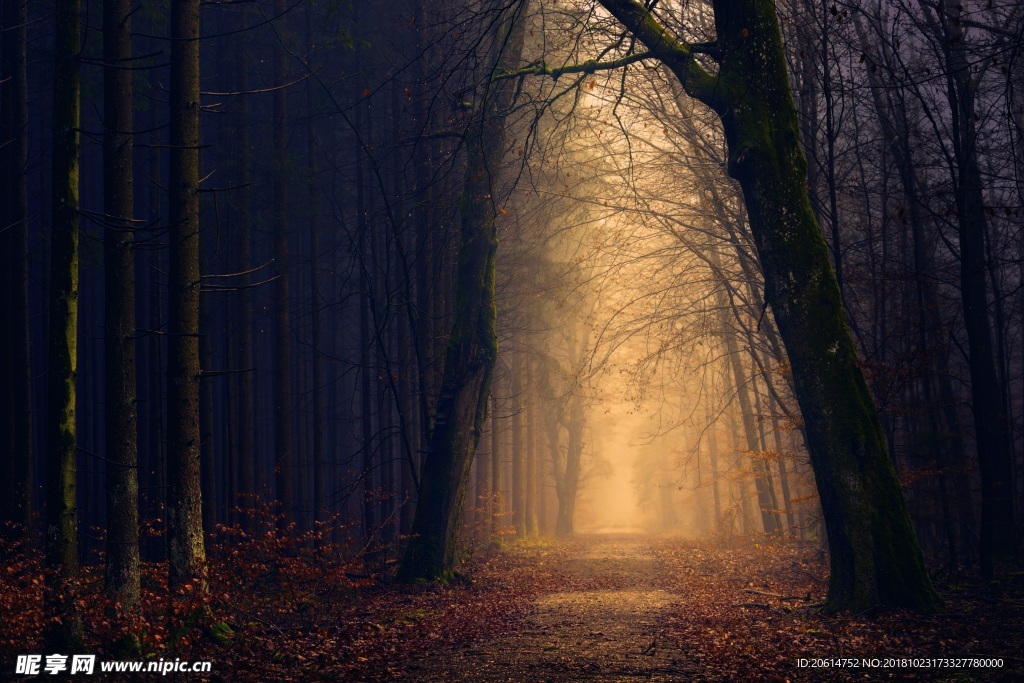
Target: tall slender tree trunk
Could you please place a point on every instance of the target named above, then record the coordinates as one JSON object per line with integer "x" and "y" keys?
{"x": 529, "y": 416}
{"x": 284, "y": 465}
{"x": 894, "y": 122}
{"x": 783, "y": 472}
{"x": 207, "y": 434}
{"x": 482, "y": 486}
{"x": 319, "y": 464}
{"x": 122, "y": 576}
{"x": 494, "y": 507}
{"x": 187, "y": 552}
{"x": 64, "y": 632}
{"x": 245, "y": 386}
{"x": 765, "y": 495}
{"x": 565, "y": 522}
{"x": 16, "y": 488}
{"x": 518, "y": 450}
{"x": 369, "y": 517}
{"x": 991, "y": 415}
{"x": 716, "y": 491}
{"x": 156, "y": 444}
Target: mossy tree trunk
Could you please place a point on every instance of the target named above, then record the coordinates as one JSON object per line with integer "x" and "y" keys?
{"x": 64, "y": 632}
{"x": 473, "y": 344}
{"x": 186, "y": 549}
{"x": 875, "y": 557}
{"x": 122, "y": 575}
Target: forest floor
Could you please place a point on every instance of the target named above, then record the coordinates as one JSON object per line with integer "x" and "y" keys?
{"x": 629, "y": 608}
{"x": 603, "y": 607}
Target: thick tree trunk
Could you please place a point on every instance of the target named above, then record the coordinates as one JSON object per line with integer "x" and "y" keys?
{"x": 473, "y": 344}
{"x": 469, "y": 362}
{"x": 875, "y": 556}
{"x": 186, "y": 548}
{"x": 64, "y": 633}
{"x": 122, "y": 576}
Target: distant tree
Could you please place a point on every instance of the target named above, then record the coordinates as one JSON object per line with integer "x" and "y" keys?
{"x": 991, "y": 413}
{"x": 122, "y": 576}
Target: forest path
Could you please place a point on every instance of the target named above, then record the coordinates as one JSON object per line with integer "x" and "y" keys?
{"x": 603, "y": 626}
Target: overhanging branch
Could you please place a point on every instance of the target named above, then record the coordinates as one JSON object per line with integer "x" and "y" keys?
{"x": 676, "y": 54}
{"x": 588, "y": 67}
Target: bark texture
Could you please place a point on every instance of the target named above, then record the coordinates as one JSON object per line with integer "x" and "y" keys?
{"x": 64, "y": 633}
{"x": 473, "y": 345}
{"x": 187, "y": 553}
{"x": 122, "y": 576}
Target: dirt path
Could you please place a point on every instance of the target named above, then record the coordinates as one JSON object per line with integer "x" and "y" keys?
{"x": 603, "y": 626}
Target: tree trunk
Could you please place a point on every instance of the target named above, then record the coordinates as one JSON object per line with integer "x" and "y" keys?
{"x": 284, "y": 465}
{"x": 712, "y": 435}
{"x": 991, "y": 416}
{"x": 16, "y": 493}
{"x": 122, "y": 576}
{"x": 494, "y": 506}
{"x": 184, "y": 498}
{"x": 518, "y": 450}
{"x": 767, "y": 505}
{"x": 473, "y": 344}
{"x": 875, "y": 556}
{"x": 64, "y": 634}
{"x": 530, "y": 500}
{"x": 207, "y": 434}
{"x": 576, "y": 423}
{"x": 243, "y": 380}
{"x": 319, "y": 463}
